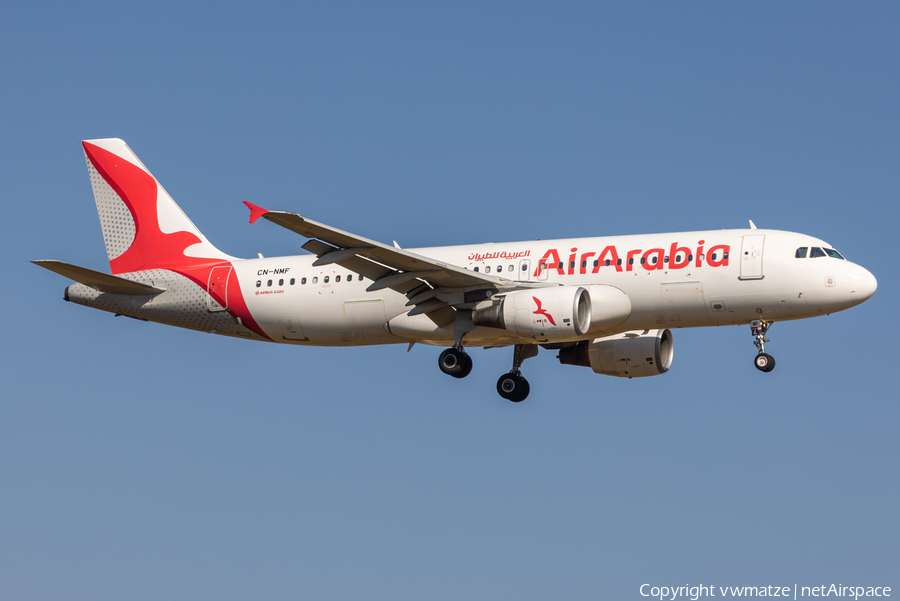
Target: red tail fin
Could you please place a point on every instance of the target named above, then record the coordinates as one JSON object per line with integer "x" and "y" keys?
{"x": 142, "y": 226}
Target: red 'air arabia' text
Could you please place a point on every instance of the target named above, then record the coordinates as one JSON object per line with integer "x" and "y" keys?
{"x": 674, "y": 257}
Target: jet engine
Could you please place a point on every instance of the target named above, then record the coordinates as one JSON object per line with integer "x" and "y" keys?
{"x": 545, "y": 314}
{"x": 628, "y": 355}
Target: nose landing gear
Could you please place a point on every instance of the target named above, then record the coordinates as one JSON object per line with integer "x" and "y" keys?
{"x": 455, "y": 362}
{"x": 763, "y": 361}
{"x": 513, "y": 386}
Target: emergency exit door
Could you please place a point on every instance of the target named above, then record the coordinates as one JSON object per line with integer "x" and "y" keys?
{"x": 752, "y": 257}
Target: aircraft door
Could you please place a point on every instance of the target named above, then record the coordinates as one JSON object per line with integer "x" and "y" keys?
{"x": 542, "y": 276}
{"x": 752, "y": 257}
{"x": 217, "y": 288}
{"x": 524, "y": 270}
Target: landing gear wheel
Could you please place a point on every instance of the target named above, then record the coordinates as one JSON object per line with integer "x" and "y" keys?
{"x": 467, "y": 366}
{"x": 764, "y": 362}
{"x": 513, "y": 387}
{"x": 455, "y": 362}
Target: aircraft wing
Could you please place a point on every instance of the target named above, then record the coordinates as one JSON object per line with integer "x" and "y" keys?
{"x": 445, "y": 289}
{"x": 404, "y": 265}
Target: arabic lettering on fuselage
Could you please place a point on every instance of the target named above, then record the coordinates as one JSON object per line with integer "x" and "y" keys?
{"x": 502, "y": 254}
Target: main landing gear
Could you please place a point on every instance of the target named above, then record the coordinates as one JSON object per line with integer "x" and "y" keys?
{"x": 513, "y": 386}
{"x": 763, "y": 361}
{"x": 455, "y": 362}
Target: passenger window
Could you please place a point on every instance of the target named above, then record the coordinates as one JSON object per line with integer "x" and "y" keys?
{"x": 315, "y": 280}
{"x": 724, "y": 255}
{"x": 618, "y": 261}
{"x": 511, "y": 268}
{"x": 487, "y": 268}
{"x": 360, "y": 277}
{"x": 644, "y": 260}
{"x": 499, "y": 268}
{"x": 690, "y": 258}
{"x": 560, "y": 265}
{"x": 607, "y": 263}
{"x": 630, "y": 261}
{"x": 476, "y": 269}
{"x": 269, "y": 283}
{"x": 325, "y": 281}
{"x": 678, "y": 258}
{"x": 598, "y": 262}
{"x": 337, "y": 278}
{"x": 524, "y": 267}
{"x": 258, "y": 283}
{"x": 571, "y": 264}
{"x": 815, "y": 251}
{"x": 302, "y": 281}
{"x": 281, "y": 282}
{"x": 714, "y": 256}
{"x": 666, "y": 260}
{"x": 292, "y": 281}
{"x": 801, "y": 253}
{"x": 834, "y": 254}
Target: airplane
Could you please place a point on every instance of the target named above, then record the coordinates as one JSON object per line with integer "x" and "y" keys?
{"x": 607, "y": 303}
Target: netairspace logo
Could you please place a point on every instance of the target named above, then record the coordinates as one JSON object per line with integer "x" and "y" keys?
{"x": 672, "y": 593}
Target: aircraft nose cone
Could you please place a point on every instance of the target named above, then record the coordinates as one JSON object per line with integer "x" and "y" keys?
{"x": 864, "y": 286}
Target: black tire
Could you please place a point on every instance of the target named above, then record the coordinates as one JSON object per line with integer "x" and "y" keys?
{"x": 513, "y": 387}
{"x": 506, "y": 385}
{"x": 764, "y": 362}
{"x": 526, "y": 389}
{"x": 467, "y": 366}
{"x": 454, "y": 362}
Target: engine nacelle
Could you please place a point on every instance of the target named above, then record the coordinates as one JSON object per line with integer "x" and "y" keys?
{"x": 628, "y": 355}
{"x": 544, "y": 314}
{"x": 609, "y": 307}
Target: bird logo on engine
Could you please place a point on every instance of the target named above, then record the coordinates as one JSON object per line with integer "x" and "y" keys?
{"x": 542, "y": 311}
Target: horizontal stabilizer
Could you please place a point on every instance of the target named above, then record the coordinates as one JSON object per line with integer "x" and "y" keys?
{"x": 102, "y": 282}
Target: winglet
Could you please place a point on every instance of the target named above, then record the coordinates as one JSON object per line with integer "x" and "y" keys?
{"x": 255, "y": 211}
{"x": 752, "y": 225}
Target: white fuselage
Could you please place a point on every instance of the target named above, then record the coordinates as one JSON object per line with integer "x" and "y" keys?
{"x": 329, "y": 305}
{"x": 679, "y": 280}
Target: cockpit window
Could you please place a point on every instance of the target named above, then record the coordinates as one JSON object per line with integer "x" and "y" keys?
{"x": 816, "y": 252}
{"x": 833, "y": 253}
{"x": 801, "y": 253}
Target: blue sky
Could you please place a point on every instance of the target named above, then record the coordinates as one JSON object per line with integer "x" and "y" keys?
{"x": 144, "y": 462}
